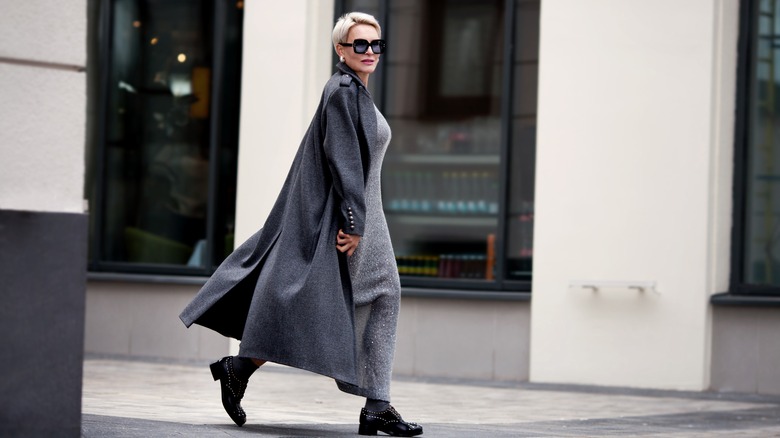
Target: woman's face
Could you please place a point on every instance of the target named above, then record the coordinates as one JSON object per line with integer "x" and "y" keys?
{"x": 363, "y": 64}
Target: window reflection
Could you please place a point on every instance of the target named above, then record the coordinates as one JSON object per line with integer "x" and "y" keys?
{"x": 160, "y": 132}
{"x": 451, "y": 162}
{"x": 522, "y": 149}
{"x": 442, "y": 174}
{"x": 762, "y": 221}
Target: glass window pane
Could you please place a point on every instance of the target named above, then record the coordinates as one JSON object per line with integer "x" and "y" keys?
{"x": 762, "y": 224}
{"x": 442, "y": 81}
{"x": 520, "y": 211}
{"x": 159, "y": 131}
{"x": 441, "y": 180}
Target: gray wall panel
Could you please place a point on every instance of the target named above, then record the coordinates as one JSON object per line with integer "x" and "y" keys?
{"x": 746, "y": 350}
{"x": 42, "y": 282}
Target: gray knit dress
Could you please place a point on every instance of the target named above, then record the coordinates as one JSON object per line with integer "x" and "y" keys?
{"x": 376, "y": 287}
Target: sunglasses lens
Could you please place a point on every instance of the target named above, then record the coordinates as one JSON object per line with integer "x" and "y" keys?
{"x": 378, "y": 46}
{"x": 360, "y": 46}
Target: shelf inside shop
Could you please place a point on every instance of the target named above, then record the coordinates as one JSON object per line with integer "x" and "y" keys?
{"x": 450, "y": 266}
{"x": 441, "y": 220}
{"x": 460, "y": 159}
{"x": 432, "y": 283}
{"x": 518, "y": 274}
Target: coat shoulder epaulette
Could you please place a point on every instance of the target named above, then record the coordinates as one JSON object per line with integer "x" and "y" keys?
{"x": 346, "y": 80}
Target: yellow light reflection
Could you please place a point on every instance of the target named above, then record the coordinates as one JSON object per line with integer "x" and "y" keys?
{"x": 154, "y": 41}
{"x": 240, "y": 4}
{"x": 136, "y": 23}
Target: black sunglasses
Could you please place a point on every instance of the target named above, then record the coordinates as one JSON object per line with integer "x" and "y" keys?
{"x": 361, "y": 46}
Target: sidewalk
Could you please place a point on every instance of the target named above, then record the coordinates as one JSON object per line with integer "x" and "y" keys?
{"x": 145, "y": 399}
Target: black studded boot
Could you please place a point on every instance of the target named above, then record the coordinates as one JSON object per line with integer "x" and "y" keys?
{"x": 233, "y": 374}
{"x": 388, "y": 421}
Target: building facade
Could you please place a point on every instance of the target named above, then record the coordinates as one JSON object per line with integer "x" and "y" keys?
{"x": 578, "y": 192}
{"x": 43, "y": 225}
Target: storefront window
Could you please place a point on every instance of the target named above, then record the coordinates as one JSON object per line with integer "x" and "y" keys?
{"x": 442, "y": 173}
{"x": 458, "y": 176}
{"x": 522, "y": 141}
{"x": 169, "y": 138}
{"x": 758, "y": 158}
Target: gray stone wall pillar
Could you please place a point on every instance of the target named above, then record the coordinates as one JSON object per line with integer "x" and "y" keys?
{"x": 42, "y": 283}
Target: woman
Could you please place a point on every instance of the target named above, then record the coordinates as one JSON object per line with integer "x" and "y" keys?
{"x": 317, "y": 287}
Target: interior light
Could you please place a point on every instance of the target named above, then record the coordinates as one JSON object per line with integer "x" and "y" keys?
{"x": 136, "y": 23}
{"x": 240, "y": 4}
{"x": 182, "y": 57}
{"x": 154, "y": 41}
{"x": 180, "y": 84}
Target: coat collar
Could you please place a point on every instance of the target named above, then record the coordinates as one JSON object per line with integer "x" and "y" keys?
{"x": 344, "y": 68}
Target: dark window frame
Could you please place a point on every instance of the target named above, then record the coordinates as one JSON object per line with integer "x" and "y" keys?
{"x": 218, "y": 129}
{"x": 501, "y": 286}
{"x": 436, "y": 106}
{"x": 740, "y": 291}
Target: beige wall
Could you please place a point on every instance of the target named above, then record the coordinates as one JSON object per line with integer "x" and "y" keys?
{"x": 463, "y": 339}
{"x": 42, "y": 115}
{"x": 437, "y": 338}
{"x": 44, "y": 31}
{"x": 287, "y": 60}
{"x": 142, "y": 320}
{"x": 746, "y": 350}
{"x": 633, "y": 184}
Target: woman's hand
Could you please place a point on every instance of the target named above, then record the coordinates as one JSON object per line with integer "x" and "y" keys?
{"x": 347, "y": 242}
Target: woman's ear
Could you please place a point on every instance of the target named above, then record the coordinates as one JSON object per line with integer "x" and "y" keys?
{"x": 340, "y": 50}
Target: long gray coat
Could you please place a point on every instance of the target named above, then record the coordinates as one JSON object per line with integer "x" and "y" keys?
{"x": 285, "y": 292}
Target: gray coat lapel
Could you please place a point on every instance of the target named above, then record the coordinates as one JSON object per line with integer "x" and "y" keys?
{"x": 367, "y": 113}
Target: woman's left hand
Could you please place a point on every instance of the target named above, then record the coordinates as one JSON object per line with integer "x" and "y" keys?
{"x": 347, "y": 242}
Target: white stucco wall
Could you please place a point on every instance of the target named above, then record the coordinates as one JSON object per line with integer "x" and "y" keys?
{"x": 635, "y": 142}
{"x": 43, "y": 107}
{"x": 45, "y": 31}
{"x": 286, "y": 61}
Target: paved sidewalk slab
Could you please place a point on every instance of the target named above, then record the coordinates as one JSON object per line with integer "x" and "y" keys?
{"x": 141, "y": 399}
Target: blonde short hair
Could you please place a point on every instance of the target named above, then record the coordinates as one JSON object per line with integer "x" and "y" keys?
{"x": 345, "y": 23}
